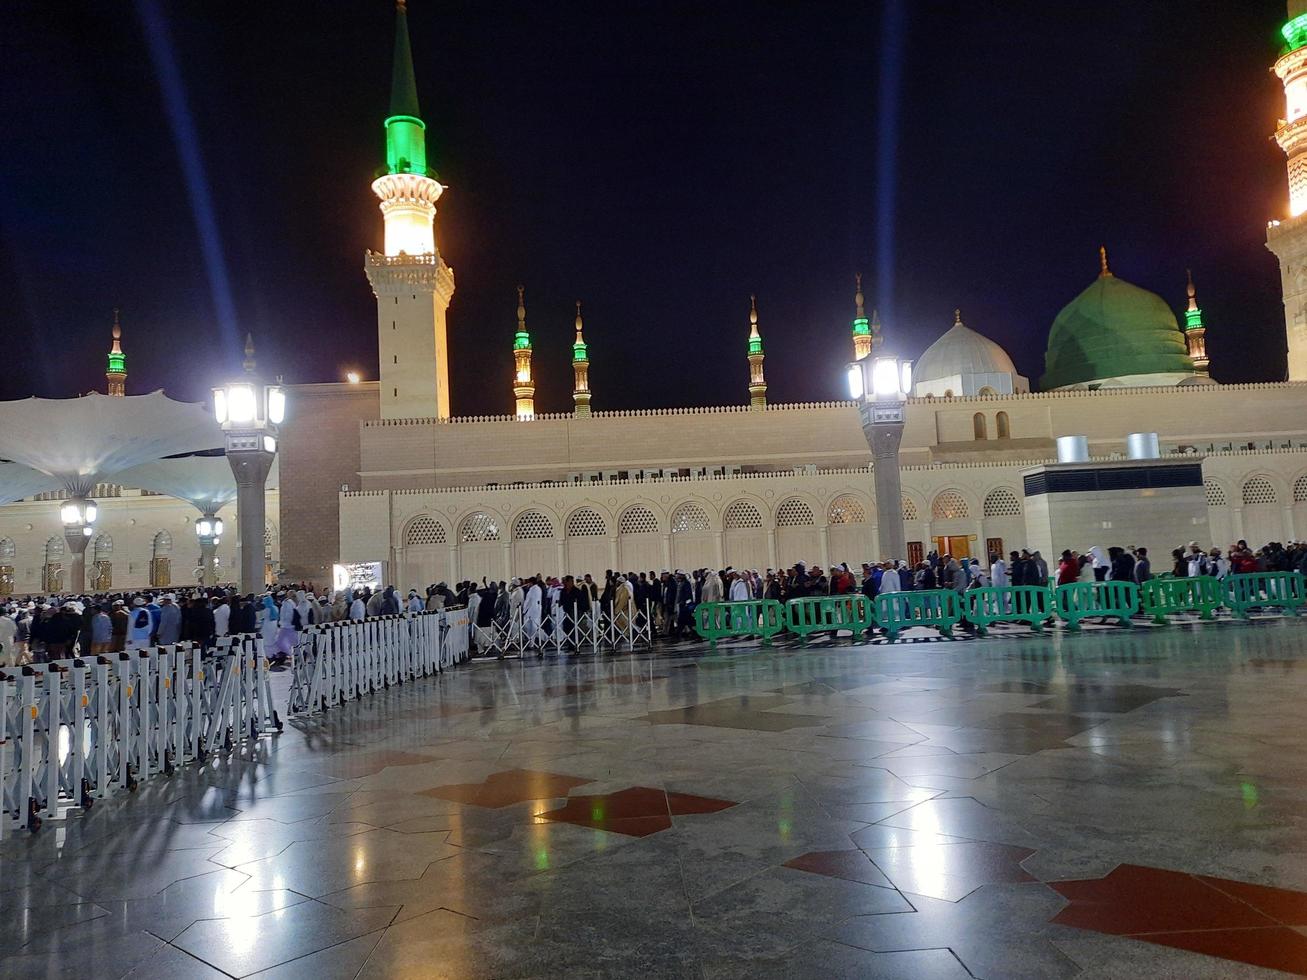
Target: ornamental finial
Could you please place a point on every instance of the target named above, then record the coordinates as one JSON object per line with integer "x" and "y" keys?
{"x": 1102, "y": 262}
{"x": 249, "y": 353}
{"x": 521, "y": 307}
{"x": 858, "y": 298}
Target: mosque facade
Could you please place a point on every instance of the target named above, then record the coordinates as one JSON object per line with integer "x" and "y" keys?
{"x": 382, "y": 471}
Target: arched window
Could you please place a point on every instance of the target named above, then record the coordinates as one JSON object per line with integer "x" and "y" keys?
{"x": 532, "y": 526}
{"x": 1300, "y": 489}
{"x": 978, "y": 426}
{"x": 586, "y": 523}
{"x": 1215, "y": 493}
{"x": 846, "y": 510}
{"x": 478, "y": 527}
{"x": 54, "y": 548}
{"x": 910, "y": 510}
{"x": 102, "y": 548}
{"x": 7, "y": 550}
{"x": 1004, "y": 428}
{"x": 637, "y": 520}
{"x": 794, "y": 513}
{"x": 269, "y": 541}
{"x": 1258, "y": 490}
{"x": 986, "y": 391}
{"x": 1002, "y": 503}
{"x": 741, "y": 515}
{"x": 424, "y": 530}
{"x": 949, "y": 505}
{"x": 162, "y": 544}
{"x": 689, "y": 517}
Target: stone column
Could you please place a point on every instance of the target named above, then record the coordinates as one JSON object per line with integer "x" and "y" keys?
{"x": 250, "y": 467}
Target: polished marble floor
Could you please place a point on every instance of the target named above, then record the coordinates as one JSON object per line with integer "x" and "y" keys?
{"x": 1112, "y": 804}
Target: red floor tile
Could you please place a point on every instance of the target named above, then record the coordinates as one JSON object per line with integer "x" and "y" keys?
{"x": 1133, "y": 899}
{"x": 636, "y": 812}
{"x": 506, "y": 788}
{"x": 1276, "y": 947}
{"x": 1281, "y": 904}
{"x": 849, "y": 865}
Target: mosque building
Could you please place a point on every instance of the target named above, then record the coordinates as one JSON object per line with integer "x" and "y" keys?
{"x": 384, "y": 471}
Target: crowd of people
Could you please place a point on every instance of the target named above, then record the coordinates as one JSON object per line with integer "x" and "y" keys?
{"x": 40, "y": 628}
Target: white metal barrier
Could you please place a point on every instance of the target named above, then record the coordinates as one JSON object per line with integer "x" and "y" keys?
{"x": 592, "y": 631}
{"x": 338, "y": 662}
{"x": 74, "y": 731}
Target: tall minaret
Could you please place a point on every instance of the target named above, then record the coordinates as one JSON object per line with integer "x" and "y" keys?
{"x": 1195, "y": 332}
{"x": 524, "y": 386}
{"x": 580, "y": 370}
{"x": 116, "y": 372}
{"x": 412, "y": 284}
{"x": 862, "y": 335}
{"x": 1288, "y": 239}
{"x": 757, "y": 383}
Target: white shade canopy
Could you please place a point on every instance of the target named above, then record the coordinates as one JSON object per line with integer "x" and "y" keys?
{"x": 18, "y": 481}
{"x": 83, "y": 441}
{"x": 206, "y": 482}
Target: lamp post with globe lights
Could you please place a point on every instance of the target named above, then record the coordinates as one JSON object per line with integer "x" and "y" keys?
{"x": 250, "y": 413}
{"x": 78, "y": 515}
{"x": 208, "y": 531}
{"x": 880, "y": 385}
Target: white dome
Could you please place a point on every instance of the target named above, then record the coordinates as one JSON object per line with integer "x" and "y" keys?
{"x": 961, "y": 351}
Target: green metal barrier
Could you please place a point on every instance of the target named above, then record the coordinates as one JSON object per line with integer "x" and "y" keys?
{"x": 1032, "y": 604}
{"x": 1249, "y": 590}
{"x": 1110, "y": 600}
{"x": 828, "y": 613}
{"x": 897, "y": 611}
{"x": 723, "y": 620}
{"x": 1202, "y": 594}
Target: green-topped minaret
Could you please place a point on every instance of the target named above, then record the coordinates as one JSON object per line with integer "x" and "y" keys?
{"x": 757, "y": 383}
{"x": 115, "y": 374}
{"x": 863, "y": 337}
{"x": 524, "y": 386}
{"x": 580, "y": 370}
{"x": 411, "y": 281}
{"x": 406, "y": 136}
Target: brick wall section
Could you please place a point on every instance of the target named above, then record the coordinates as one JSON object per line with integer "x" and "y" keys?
{"x": 319, "y": 454}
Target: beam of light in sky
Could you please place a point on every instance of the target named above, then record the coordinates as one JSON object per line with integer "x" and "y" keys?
{"x": 887, "y": 148}
{"x": 187, "y": 141}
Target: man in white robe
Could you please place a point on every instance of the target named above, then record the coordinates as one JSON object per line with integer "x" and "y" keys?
{"x": 532, "y": 603}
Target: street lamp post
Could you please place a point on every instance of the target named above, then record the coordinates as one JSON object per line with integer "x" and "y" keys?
{"x": 880, "y": 385}
{"x": 250, "y": 413}
{"x": 78, "y": 515}
{"x": 208, "y": 531}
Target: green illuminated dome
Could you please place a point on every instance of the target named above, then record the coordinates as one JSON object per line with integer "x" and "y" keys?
{"x": 1115, "y": 334}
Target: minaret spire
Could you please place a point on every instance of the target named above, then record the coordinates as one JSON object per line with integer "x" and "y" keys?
{"x": 1195, "y": 332}
{"x": 116, "y": 373}
{"x": 863, "y": 338}
{"x": 580, "y": 370}
{"x": 524, "y": 385}
{"x": 409, "y": 278}
{"x": 1287, "y": 237}
{"x": 757, "y": 383}
{"x": 1103, "y": 270}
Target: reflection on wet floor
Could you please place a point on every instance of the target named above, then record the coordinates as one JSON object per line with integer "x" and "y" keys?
{"x": 1110, "y": 803}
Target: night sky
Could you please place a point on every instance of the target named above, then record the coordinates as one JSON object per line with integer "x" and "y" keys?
{"x": 205, "y": 166}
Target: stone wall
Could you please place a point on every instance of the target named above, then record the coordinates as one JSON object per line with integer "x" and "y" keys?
{"x": 319, "y": 454}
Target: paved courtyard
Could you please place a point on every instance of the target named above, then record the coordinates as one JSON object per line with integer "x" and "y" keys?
{"x": 1104, "y": 805}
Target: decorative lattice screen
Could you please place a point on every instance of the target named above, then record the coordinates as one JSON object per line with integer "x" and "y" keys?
{"x": 424, "y": 530}
{"x": 1002, "y": 503}
{"x": 479, "y": 527}
{"x": 689, "y": 517}
{"x": 910, "y": 510}
{"x": 637, "y": 520}
{"x": 794, "y": 513}
{"x": 1215, "y": 493}
{"x": 586, "y": 523}
{"x": 740, "y": 515}
{"x": 1258, "y": 490}
{"x": 846, "y": 510}
{"x": 949, "y": 505}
